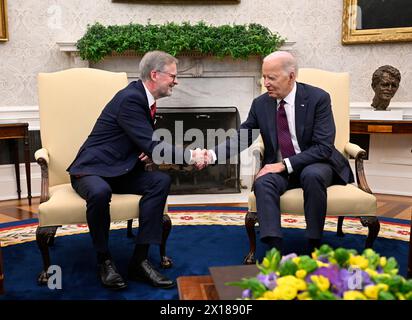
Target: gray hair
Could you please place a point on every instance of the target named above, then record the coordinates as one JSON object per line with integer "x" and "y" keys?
{"x": 154, "y": 60}
{"x": 289, "y": 63}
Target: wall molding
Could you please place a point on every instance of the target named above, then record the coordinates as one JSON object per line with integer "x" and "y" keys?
{"x": 29, "y": 114}
{"x": 8, "y": 185}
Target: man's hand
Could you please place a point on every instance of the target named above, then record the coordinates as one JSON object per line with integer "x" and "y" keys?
{"x": 273, "y": 167}
{"x": 145, "y": 158}
{"x": 201, "y": 158}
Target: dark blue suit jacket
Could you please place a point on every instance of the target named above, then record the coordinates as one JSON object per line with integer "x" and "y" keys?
{"x": 315, "y": 131}
{"x": 122, "y": 132}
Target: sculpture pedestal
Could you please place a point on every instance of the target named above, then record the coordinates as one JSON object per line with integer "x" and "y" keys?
{"x": 381, "y": 115}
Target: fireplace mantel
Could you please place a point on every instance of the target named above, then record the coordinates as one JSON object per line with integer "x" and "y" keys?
{"x": 70, "y": 48}
{"x": 203, "y": 81}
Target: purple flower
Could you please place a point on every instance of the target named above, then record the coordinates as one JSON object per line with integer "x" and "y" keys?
{"x": 288, "y": 257}
{"x": 355, "y": 279}
{"x": 335, "y": 276}
{"x": 247, "y": 293}
{"x": 268, "y": 280}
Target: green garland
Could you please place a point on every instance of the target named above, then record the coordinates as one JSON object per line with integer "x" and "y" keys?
{"x": 237, "y": 41}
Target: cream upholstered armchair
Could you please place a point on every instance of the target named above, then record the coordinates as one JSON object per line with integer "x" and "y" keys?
{"x": 349, "y": 200}
{"x": 70, "y": 102}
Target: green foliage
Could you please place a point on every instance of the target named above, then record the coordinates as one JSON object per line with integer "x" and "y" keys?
{"x": 288, "y": 268}
{"x": 270, "y": 262}
{"x": 237, "y": 41}
{"x": 307, "y": 264}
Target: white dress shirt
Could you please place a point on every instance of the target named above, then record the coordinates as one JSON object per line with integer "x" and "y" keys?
{"x": 290, "y": 114}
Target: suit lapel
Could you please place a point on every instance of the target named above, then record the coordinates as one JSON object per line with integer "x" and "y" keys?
{"x": 139, "y": 86}
{"x": 301, "y": 101}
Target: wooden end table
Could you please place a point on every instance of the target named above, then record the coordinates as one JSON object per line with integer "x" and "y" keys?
{"x": 196, "y": 288}
{"x": 12, "y": 132}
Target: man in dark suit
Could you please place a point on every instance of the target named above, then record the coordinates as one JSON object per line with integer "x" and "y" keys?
{"x": 297, "y": 127}
{"x": 112, "y": 160}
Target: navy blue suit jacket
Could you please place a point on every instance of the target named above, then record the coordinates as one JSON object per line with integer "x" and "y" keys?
{"x": 122, "y": 132}
{"x": 315, "y": 131}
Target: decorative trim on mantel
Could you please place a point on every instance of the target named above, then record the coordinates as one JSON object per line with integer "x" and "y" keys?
{"x": 70, "y": 48}
{"x": 357, "y": 107}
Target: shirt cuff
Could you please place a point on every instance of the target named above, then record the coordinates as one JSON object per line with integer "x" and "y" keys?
{"x": 289, "y": 168}
{"x": 213, "y": 155}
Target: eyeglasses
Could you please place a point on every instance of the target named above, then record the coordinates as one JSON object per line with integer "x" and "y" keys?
{"x": 173, "y": 76}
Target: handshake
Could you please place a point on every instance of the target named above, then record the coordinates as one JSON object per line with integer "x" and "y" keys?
{"x": 201, "y": 158}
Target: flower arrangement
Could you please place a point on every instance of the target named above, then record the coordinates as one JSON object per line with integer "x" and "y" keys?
{"x": 327, "y": 275}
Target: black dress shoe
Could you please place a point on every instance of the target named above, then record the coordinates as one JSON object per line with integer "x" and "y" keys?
{"x": 110, "y": 277}
{"x": 144, "y": 271}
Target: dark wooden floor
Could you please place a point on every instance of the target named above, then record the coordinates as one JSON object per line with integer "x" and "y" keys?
{"x": 399, "y": 207}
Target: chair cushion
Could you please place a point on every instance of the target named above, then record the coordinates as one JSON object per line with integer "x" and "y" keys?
{"x": 65, "y": 206}
{"x": 346, "y": 200}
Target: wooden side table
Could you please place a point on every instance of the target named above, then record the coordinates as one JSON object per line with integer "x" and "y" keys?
{"x": 380, "y": 126}
{"x": 13, "y": 132}
{"x": 196, "y": 288}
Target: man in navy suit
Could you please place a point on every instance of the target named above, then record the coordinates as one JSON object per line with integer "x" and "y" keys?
{"x": 112, "y": 160}
{"x": 296, "y": 123}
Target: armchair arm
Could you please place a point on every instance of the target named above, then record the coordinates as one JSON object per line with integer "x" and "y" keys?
{"x": 359, "y": 154}
{"x": 42, "y": 158}
{"x": 257, "y": 149}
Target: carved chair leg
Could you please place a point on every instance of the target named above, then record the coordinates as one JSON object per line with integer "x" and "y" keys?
{"x": 250, "y": 221}
{"x": 374, "y": 226}
{"x": 44, "y": 238}
{"x": 165, "y": 261}
{"x": 339, "y": 231}
{"x": 130, "y": 228}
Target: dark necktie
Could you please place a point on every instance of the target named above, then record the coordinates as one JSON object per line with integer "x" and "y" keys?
{"x": 284, "y": 137}
{"x": 153, "y": 110}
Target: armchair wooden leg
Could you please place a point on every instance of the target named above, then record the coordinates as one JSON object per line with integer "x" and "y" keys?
{"x": 165, "y": 261}
{"x": 130, "y": 228}
{"x": 339, "y": 231}
{"x": 250, "y": 221}
{"x": 44, "y": 238}
{"x": 374, "y": 226}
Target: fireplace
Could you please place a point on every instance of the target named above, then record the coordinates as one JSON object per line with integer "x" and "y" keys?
{"x": 214, "y": 124}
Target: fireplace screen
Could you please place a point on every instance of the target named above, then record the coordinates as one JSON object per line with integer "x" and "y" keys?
{"x": 214, "y": 124}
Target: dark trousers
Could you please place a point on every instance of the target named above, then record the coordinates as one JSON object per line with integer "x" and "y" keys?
{"x": 313, "y": 179}
{"x": 154, "y": 187}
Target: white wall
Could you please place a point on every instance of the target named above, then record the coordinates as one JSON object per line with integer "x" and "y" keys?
{"x": 35, "y": 27}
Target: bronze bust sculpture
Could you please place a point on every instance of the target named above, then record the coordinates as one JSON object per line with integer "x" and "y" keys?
{"x": 385, "y": 83}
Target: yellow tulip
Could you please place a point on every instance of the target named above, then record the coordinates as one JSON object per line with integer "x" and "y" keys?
{"x": 359, "y": 261}
{"x": 382, "y": 261}
{"x": 371, "y": 292}
{"x": 304, "y": 296}
{"x": 353, "y": 295}
{"x": 321, "y": 282}
{"x": 285, "y": 292}
{"x": 301, "y": 273}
